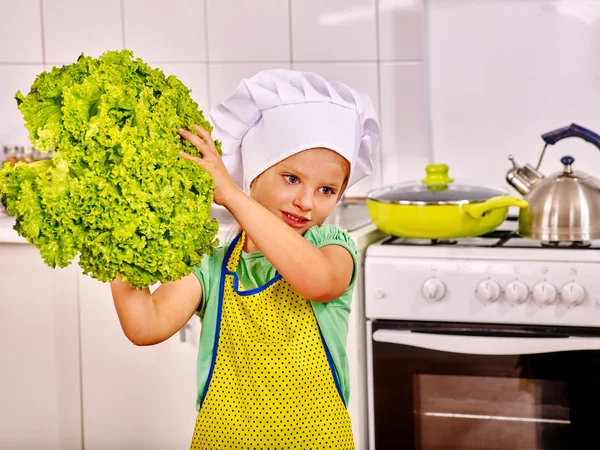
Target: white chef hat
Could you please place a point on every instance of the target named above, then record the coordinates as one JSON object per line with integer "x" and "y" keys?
{"x": 277, "y": 113}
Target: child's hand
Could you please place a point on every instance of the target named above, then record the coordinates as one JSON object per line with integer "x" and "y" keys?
{"x": 211, "y": 161}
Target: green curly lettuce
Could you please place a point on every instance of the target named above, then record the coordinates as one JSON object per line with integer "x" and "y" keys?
{"x": 115, "y": 192}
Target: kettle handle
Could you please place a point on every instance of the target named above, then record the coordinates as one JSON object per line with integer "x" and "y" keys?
{"x": 572, "y": 130}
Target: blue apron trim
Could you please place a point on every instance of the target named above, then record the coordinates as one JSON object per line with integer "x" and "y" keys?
{"x": 251, "y": 291}
{"x": 236, "y": 280}
{"x": 331, "y": 366}
{"x": 219, "y": 314}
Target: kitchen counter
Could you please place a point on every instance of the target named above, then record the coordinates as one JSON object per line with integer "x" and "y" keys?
{"x": 7, "y": 234}
{"x": 351, "y": 215}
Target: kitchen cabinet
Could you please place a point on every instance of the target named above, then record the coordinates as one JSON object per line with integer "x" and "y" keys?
{"x": 69, "y": 378}
{"x": 39, "y": 346}
{"x": 133, "y": 397}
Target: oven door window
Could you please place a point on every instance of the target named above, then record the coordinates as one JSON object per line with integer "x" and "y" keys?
{"x": 475, "y": 412}
{"x": 441, "y": 400}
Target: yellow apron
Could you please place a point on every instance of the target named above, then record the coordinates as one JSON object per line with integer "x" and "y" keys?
{"x": 272, "y": 383}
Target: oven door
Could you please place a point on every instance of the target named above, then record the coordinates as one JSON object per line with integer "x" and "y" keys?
{"x": 456, "y": 386}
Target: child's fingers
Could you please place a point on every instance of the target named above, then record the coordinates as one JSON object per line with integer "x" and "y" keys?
{"x": 204, "y": 134}
{"x": 194, "y": 159}
{"x": 196, "y": 141}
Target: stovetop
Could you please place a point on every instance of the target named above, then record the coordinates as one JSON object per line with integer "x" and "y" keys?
{"x": 496, "y": 238}
{"x": 505, "y": 236}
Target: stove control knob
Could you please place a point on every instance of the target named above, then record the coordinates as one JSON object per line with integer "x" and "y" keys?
{"x": 488, "y": 291}
{"x": 544, "y": 293}
{"x": 572, "y": 294}
{"x": 516, "y": 292}
{"x": 433, "y": 289}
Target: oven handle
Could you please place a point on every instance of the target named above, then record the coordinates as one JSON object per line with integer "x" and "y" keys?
{"x": 485, "y": 345}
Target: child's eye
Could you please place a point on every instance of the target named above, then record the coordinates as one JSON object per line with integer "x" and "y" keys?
{"x": 327, "y": 190}
{"x": 292, "y": 179}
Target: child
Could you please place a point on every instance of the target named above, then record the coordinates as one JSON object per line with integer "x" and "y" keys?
{"x": 274, "y": 303}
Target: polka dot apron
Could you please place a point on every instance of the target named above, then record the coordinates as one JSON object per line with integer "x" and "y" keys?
{"x": 271, "y": 384}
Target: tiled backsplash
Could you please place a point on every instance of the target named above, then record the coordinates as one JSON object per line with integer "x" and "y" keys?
{"x": 457, "y": 81}
{"x": 212, "y": 44}
{"x": 502, "y": 73}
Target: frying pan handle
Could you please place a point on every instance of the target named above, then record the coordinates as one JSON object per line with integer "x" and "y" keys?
{"x": 478, "y": 210}
{"x": 572, "y": 130}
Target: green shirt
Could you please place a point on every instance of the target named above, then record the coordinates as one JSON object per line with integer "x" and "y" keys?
{"x": 254, "y": 270}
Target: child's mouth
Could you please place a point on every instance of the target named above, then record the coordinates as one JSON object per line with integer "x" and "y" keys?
{"x": 294, "y": 221}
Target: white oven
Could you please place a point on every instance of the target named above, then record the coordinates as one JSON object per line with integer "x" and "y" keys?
{"x": 483, "y": 343}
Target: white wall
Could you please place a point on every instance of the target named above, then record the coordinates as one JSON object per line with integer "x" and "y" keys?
{"x": 504, "y": 72}
{"x": 375, "y": 46}
{"x": 463, "y": 82}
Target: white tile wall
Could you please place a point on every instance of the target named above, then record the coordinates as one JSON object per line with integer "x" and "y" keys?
{"x": 14, "y": 78}
{"x": 405, "y": 127}
{"x": 165, "y": 31}
{"x": 20, "y": 31}
{"x": 334, "y": 30}
{"x": 256, "y": 30}
{"x": 72, "y": 27}
{"x": 401, "y": 30}
{"x": 212, "y": 44}
{"x": 502, "y": 76}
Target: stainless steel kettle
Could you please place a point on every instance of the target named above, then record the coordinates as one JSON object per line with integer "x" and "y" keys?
{"x": 565, "y": 206}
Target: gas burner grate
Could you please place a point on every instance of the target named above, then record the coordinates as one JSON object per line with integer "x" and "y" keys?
{"x": 494, "y": 239}
{"x": 566, "y": 244}
{"x": 430, "y": 242}
{"x": 501, "y": 234}
{"x": 444, "y": 242}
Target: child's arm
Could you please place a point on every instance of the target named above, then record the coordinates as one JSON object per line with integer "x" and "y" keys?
{"x": 150, "y": 318}
{"x": 319, "y": 275}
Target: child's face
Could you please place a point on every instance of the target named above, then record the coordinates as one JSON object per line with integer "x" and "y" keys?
{"x": 305, "y": 186}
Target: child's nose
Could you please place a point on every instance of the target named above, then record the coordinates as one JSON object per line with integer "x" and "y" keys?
{"x": 303, "y": 200}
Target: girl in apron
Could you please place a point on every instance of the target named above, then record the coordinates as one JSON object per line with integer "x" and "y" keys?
{"x": 274, "y": 302}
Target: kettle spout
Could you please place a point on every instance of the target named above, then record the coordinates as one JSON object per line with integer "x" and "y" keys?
{"x": 523, "y": 178}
